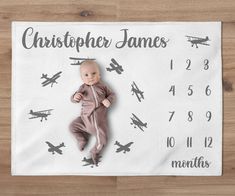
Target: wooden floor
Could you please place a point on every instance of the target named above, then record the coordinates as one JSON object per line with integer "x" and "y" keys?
{"x": 118, "y": 10}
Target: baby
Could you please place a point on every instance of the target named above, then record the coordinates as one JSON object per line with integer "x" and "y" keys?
{"x": 96, "y": 97}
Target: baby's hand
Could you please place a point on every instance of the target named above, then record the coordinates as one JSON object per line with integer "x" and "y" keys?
{"x": 77, "y": 97}
{"x": 106, "y": 103}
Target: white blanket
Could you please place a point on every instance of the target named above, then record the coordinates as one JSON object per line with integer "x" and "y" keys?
{"x": 167, "y": 118}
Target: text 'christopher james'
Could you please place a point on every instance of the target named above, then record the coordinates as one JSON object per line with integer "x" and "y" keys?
{"x": 33, "y": 39}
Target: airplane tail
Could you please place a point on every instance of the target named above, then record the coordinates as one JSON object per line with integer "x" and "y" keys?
{"x": 44, "y": 76}
{"x": 62, "y": 144}
{"x": 145, "y": 124}
{"x": 84, "y": 159}
{"x": 117, "y": 143}
{"x": 31, "y": 112}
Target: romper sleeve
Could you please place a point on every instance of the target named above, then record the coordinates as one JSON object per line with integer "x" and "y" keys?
{"x": 80, "y": 90}
{"x": 110, "y": 95}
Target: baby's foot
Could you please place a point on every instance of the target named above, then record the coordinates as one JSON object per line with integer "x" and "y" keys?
{"x": 82, "y": 144}
{"x": 94, "y": 157}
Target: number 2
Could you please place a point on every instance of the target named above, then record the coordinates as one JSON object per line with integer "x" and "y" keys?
{"x": 188, "y": 61}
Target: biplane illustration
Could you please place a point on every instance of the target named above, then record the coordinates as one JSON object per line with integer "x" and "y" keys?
{"x": 198, "y": 40}
{"x": 54, "y": 149}
{"x": 135, "y": 90}
{"x": 40, "y": 114}
{"x": 137, "y": 122}
{"x": 115, "y": 67}
{"x": 51, "y": 80}
{"x": 89, "y": 162}
{"x": 78, "y": 61}
{"x": 124, "y": 148}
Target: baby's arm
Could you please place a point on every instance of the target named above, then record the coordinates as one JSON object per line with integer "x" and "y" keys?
{"x": 110, "y": 97}
{"x": 77, "y": 96}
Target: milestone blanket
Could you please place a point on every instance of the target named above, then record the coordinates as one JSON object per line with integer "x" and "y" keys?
{"x": 154, "y": 107}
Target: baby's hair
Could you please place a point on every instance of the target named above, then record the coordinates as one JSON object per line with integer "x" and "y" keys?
{"x": 89, "y": 62}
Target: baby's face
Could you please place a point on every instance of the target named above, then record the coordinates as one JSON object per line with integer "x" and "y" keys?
{"x": 90, "y": 74}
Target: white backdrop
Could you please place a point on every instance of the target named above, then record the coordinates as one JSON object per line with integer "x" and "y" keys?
{"x": 161, "y": 149}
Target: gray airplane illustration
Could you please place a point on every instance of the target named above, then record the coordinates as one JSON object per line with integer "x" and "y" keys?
{"x": 115, "y": 67}
{"x": 124, "y": 148}
{"x": 197, "y": 40}
{"x": 51, "y": 80}
{"x": 40, "y": 114}
{"x": 54, "y": 149}
{"x": 89, "y": 162}
{"x": 78, "y": 61}
{"x": 135, "y": 90}
{"x": 137, "y": 122}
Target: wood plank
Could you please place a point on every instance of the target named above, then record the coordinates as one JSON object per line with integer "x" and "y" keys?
{"x": 178, "y": 10}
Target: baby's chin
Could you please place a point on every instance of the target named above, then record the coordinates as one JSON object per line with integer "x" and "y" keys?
{"x": 91, "y": 83}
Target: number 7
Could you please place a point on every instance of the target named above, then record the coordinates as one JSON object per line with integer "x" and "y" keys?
{"x": 172, "y": 113}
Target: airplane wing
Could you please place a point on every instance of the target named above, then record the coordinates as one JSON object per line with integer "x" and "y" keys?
{"x": 137, "y": 118}
{"x": 42, "y": 111}
{"x": 57, "y": 74}
{"x": 112, "y": 66}
{"x": 58, "y": 150}
{"x": 132, "y": 88}
{"x": 74, "y": 58}
{"x": 54, "y": 78}
{"x": 119, "y": 149}
{"x": 46, "y": 81}
{"x": 135, "y": 86}
{"x": 140, "y": 127}
{"x": 77, "y": 58}
{"x": 114, "y": 61}
{"x": 75, "y": 63}
{"x": 50, "y": 145}
{"x": 141, "y": 94}
{"x": 193, "y": 37}
{"x": 133, "y": 120}
{"x": 119, "y": 70}
{"x": 34, "y": 117}
{"x": 128, "y": 145}
{"x": 204, "y": 44}
{"x": 86, "y": 164}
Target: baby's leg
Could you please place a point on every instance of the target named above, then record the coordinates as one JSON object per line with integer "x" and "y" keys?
{"x": 101, "y": 135}
{"x": 78, "y": 129}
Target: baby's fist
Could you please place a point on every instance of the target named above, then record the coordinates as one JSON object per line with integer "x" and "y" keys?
{"x": 77, "y": 97}
{"x": 106, "y": 103}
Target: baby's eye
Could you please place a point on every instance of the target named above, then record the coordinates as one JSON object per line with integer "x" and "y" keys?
{"x": 93, "y": 73}
{"x": 86, "y": 75}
